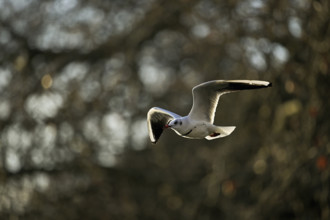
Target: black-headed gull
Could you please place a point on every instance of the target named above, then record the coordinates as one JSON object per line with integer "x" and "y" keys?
{"x": 198, "y": 123}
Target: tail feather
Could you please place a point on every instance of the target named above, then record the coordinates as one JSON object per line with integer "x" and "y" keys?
{"x": 221, "y": 131}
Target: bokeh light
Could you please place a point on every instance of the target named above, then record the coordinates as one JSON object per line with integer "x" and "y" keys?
{"x": 78, "y": 77}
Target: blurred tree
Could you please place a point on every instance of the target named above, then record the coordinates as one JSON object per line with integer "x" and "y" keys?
{"x": 78, "y": 77}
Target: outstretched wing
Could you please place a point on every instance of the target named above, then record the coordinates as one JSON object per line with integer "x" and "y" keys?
{"x": 206, "y": 96}
{"x": 157, "y": 119}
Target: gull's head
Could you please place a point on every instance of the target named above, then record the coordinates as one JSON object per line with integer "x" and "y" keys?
{"x": 174, "y": 123}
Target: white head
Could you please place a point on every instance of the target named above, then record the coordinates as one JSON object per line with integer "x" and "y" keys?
{"x": 175, "y": 123}
{"x": 179, "y": 125}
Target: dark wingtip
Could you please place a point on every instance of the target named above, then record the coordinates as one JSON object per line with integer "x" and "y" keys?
{"x": 270, "y": 84}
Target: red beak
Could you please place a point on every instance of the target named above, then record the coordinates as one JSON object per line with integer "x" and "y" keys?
{"x": 167, "y": 126}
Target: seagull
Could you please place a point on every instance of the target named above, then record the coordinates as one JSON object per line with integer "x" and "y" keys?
{"x": 198, "y": 124}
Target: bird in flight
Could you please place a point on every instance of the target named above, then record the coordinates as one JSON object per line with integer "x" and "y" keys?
{"x": 198, "y": 123}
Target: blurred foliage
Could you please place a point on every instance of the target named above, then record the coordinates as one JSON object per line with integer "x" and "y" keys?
{"x": 78, "y": 77}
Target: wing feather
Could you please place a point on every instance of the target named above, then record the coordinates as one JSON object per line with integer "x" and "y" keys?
{"x": 206, "y": 96}
{"x": 157, "y": 119}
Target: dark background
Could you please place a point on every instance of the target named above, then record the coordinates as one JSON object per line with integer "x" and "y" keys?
{"x": 77, "y": 79}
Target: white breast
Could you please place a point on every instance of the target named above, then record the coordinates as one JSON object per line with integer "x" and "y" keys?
{"x": 197, "y": 131}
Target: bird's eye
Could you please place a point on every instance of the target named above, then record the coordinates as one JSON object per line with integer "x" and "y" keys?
{"x": 175, "y": 122}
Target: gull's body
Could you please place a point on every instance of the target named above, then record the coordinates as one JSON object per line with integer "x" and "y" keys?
{"x": 198, "y": 123}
